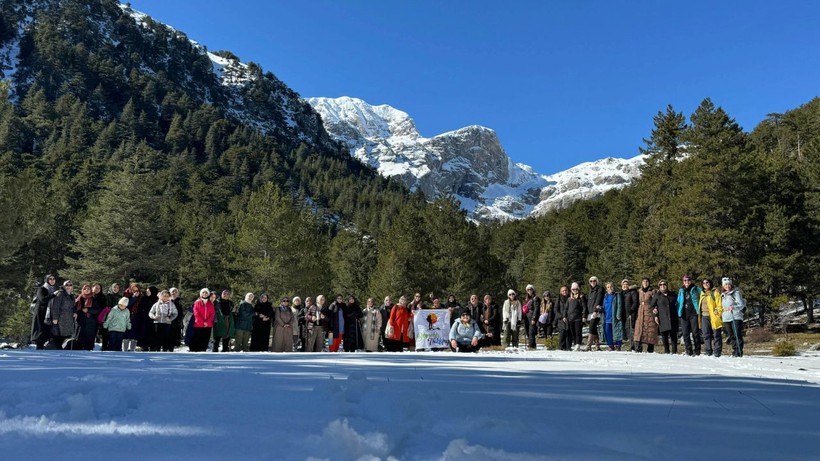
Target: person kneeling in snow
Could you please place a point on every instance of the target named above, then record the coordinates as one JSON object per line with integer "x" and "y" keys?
{"x": 465, "y": 336}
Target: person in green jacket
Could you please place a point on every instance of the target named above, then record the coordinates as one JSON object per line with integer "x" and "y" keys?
{"x": 224, "y": 328}
{"x": 244, "y": 324}
{"x": 117, "y": 323}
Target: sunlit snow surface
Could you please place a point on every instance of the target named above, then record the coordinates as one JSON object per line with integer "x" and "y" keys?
{"x": 411, "y": 406}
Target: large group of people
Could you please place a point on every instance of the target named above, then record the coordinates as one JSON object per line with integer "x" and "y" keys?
{"x": 157, "y": 320}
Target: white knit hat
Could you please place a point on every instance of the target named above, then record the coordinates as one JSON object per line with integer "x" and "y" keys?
{"x": 510, "y": 292}
{"x": 530, "y": 287}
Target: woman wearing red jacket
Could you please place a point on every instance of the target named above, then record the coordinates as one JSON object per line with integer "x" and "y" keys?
{"x": 203, "y": 321}
{"x": 400, "y": 318}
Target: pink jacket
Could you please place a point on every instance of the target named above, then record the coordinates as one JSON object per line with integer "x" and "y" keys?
{"x": 203, "y": 314}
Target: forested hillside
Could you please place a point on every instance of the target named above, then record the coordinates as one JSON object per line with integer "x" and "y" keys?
{"x": 129, "y": 152}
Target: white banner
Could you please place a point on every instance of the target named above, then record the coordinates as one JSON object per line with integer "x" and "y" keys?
{"x": 432, "y": 328}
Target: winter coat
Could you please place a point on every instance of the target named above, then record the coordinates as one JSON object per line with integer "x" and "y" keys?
{"x": 111, "y": 299}
{"x": 61, "y": 308}
{"x": 352, "y": 331}
{"x": 493, "y": 318}
{"x": 594, "y": 299}
{"x": 512, "y": 313}
{"x": 244, "y": 316}
{"x": 561, "y": 312}
{"x": 734, "y": 305}
{"x": 576, "y": 308}
{"x": 42, "y": 297}
{"x": 665, "y": 304}
{"x": 464, "y": 334}
{"x": 284, "y": 324}
{"x": 631, "y": 302}
{"x": 695, "y": 295}
{"x": 224, "y": 325}
{"x": 617, "y": 317}
{"x": 546, "y": 307}
{"x": 260, "y": 335}
{"x": 334, "y": 315}
{"x": 203, "y": 313}
{"x": 533, "y": 309}
{"x": 711, "y": 302}
{"x": 163, "y": 312}
{"x": 118, "y": 320}
{"x": 646, "y": 328}
{"x": 371, "y": 328}
{"x": 400, "y": 318}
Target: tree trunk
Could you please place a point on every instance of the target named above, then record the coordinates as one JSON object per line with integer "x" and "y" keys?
{"x": 809, "y": 310}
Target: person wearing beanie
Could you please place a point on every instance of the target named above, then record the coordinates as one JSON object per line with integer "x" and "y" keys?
{"x": 204, "y": 314}
{"x": 117, "y": 323}
{"x": 734, "y": 306}
{"x": 664, "y": 307}
{"x": 40, "y": 332}
{"x": 646, "y": 323}
{"x": 512, "y": 316}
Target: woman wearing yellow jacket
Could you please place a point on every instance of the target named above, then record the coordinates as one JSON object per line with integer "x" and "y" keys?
{"x": 711, "y": 310}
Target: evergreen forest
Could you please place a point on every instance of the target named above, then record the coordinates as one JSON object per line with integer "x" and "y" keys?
{"x": 126, "y": 159}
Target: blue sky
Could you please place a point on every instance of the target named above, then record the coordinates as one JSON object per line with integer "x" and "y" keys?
{"x": 560, "y": 82}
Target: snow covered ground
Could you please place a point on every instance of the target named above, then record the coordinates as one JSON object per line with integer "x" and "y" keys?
{"x": 407, "y": 406}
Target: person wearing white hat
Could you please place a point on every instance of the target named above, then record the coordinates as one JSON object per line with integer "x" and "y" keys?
{"x": 117, "y": 323}
{"x": 204, "y": 315}
{"x": 734, "y": 305}
{"x": 512, "y": 317}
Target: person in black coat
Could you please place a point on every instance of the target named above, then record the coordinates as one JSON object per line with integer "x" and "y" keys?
{"x": 353, "y": 339}
{"x": 533, "y": 303}
{"x": 262, "y": 315}
{"x": 40, "y": 332}
{"x": 561, "y": 321}
{"x": 631, "y": 305}
{"x": 146, "y": 333}
{"x": 575, "y": 311}
{"x": 593, "y": 312}
{"x": 492, "y": 320}
{"x": 665, "y": 306}
{"x": 175, "y": 337}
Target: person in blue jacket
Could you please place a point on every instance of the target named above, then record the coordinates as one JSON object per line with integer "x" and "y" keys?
{"x": 689, "y": 315}
{"x": 465, "y": 335}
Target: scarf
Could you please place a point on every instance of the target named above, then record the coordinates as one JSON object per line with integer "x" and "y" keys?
{"x": 372, "y": 312}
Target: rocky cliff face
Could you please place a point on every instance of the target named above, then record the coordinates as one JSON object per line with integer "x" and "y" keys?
{"x": 469, "y": 163}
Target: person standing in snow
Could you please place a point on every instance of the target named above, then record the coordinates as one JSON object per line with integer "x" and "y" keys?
{"x": 734, "y": 307}
{"x": 575, "y": 314}
{"x": 399, "y": 322}
{"x": 353, "y": 339}
{"x": 244, "y": 323}
{"x": 664, "y": 308}
{"x": 61, "y": 315}
{"x": 533, "y": 305}
{"x": 163, "y": 313}
{"x": 334, "y": 314}
{"x": 175, "y": 337}
{"x": 512, "y": 317}
{"x": 612, "y": 326}
{"x": 646, "y": 323}
{"x": 492, "y": 320}
{"x": 631, "y": 304}
{"x": 593, "y": 311}
{"x": 711, "y": 309}
{"x": 561, "y": 321}
{"x": 453, "y": 308}
{"x": 314, "y": 328}
{"x": 117, "y": 323}
{"x": 689, "y": 315}
{"x": 283, "y": 324}
{"x": 262, "y": 317}
{"x": 40, "y": 331}
{"x": 371, "y": 326}
{"x": 87, "y": 311}
{"x": 203, "y": 310}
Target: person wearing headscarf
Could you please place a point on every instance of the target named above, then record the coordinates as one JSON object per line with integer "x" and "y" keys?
{"x": 244, "y": 323}
{"x": 40, "y": 331}
{"x": 353, "y": 339}
{"x": 664, "y": 306}
{"x": 203, "y": 312}
{"x": 262, "y": 315}
{"x": 371, "y": 326}
{"x": 453, "y": 308}
{"x": 87, "y": 312}
{"x": 175, "y": 336}
{"x": 314, "y": 324}
{"x": 61, "y": 315}
{"x": 146, "y": 334}
{"x": 646, "y": 322}
{"x": 283, "y": 324}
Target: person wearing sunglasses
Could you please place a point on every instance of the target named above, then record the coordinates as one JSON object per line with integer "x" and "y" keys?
{"x": 711, "y": 310}
{"x": 689, "y": 315}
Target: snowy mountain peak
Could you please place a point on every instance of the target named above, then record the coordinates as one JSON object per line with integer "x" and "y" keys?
{"x": 469, "y": 163}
